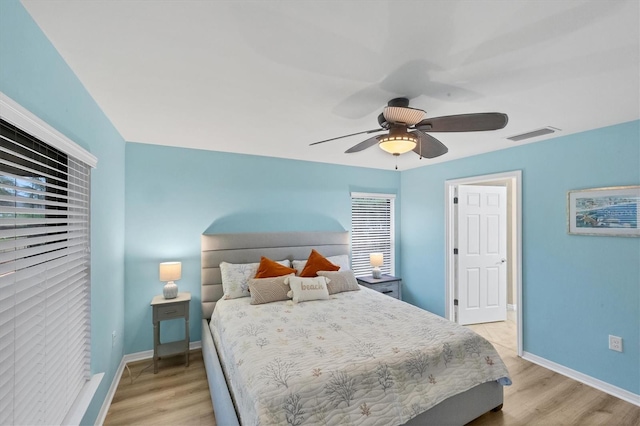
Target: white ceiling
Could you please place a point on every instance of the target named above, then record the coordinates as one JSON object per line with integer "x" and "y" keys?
{"x": 270, "y": 77}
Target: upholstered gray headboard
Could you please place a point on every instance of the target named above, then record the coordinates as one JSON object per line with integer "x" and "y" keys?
{"x": 248, "y": 247}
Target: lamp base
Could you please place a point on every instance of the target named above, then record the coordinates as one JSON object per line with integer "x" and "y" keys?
{"x": 170, "y": 290}
{"x": 376, "y": 273}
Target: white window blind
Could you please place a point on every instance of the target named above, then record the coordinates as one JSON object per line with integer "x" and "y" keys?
{"x": 372, "y": 231}
{"x": 44, "y": 279}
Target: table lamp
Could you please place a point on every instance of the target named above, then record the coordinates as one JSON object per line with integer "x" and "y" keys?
{"x": 170, "y": 271}
{"x": 376, "y": 260}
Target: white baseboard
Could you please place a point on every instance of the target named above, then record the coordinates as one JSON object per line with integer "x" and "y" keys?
{"x": 137, "y": 356}
{"x": 112, "y": 391}
{"x": 623, "y": 394}
{"x": 512, "y": 307}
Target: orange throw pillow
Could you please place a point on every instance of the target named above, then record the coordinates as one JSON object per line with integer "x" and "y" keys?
{"x": 317, "y": 262}
{"x": 269, "y": 269}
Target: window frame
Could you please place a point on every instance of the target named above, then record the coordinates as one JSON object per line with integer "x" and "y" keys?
{"x": 27, "y": 122}
{"x": 389, "y": 266}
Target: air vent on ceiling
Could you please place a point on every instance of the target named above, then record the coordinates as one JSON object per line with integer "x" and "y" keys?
{"x": 533, "y": 134}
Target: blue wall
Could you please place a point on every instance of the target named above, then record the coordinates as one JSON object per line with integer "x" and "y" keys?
{"x": 576, "y": 289}
{"x": 33, "y": 74}
{"x": 174, "y": 195}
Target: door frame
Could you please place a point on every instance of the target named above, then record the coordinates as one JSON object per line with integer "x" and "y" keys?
{"x": 449, "y": 192}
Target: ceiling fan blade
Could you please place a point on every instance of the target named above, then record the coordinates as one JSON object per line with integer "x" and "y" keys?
{"x": 364, "y": 145}
{"x": 361, "y": 103}
{"x": 464, "y": 122}
{"x": 428, "y": 146}
{"x": 346, "y": 136}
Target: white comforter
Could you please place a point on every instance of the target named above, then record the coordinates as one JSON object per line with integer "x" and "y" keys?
{"x": 360, "y": 358}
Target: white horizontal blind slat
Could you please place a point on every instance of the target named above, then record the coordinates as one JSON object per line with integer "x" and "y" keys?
{"x": 6, "y": 200}
{"x": 18, "y": 264}
{"x": 6, "y": 355}
{"x": 33, "y": 172}
{"x": 32, "y": 154}
{"x": 44, "y": 279}
{"x": 26, "y": 232}
{"x": 372, "y": 231}
{"x": 13, "y": 243}
{"x": 11, "y": 181}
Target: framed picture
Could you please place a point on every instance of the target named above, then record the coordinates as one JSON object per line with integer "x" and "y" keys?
{"x": 605, "y": 211}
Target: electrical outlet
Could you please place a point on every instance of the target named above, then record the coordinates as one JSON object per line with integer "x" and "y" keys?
{"x": 113, "y": 338}
{"x": 615, "y": 343}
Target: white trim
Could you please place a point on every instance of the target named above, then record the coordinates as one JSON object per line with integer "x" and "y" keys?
{"x": 372, "y": 195}
{"x": 137, "y": 356}
{"x": 449, "y": 244}
{"x": 605, "y": 387}
{"x": 102, "y": 415}
{"x": 392, "y": 220}
{"x": 25, "y": 161}
{"x": 512, "y": 307}
{"x": 22, "y": 118}
{"x": 80, "y": 405}
{"x": 195, "y": 345}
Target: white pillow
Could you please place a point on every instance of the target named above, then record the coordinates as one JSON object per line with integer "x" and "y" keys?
{"x": 236, "y": 276}
{"x": 341, "y": 260}
{"x": 304, "y": 289}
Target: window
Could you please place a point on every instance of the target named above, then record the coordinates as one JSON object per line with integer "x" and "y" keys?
{"x": 372, "y": 231}
{"x": 44, "y": 274}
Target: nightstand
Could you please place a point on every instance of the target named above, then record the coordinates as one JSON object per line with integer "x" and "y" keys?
{"x": 166, "y": 309}
{"x": 387, "y": 284}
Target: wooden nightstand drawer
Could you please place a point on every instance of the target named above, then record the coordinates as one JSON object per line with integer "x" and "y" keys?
{"x": 390, "y": 289}
{"x": 170, "y": 311}
{"x": 387, "y": 284}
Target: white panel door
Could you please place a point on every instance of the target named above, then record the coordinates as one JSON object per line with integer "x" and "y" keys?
{"x": 482, "y": 251}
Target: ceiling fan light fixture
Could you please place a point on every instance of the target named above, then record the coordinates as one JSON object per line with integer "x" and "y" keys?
{"x": 408, "y": 129}
{"x": 398, "y": 144}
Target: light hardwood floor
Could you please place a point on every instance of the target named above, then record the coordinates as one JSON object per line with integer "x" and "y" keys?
{"x": 177, "y": 395}
{"x": 541, "y": 397}
{"x": 180, "y": 396}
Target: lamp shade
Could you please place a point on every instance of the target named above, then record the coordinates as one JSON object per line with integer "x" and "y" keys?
{"x": 376, "y": 259}
{"x": 170, "y": 271}
{"x": 398, "y": 145}
{"x": 398, "y": 141}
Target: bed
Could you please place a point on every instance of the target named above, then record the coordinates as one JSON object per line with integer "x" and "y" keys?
{"x": 356, "y": 358}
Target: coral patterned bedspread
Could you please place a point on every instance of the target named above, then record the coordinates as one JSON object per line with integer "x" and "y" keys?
{"x": 360, "y": 358}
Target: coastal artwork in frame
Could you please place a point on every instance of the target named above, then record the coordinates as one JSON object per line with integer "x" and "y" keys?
{"x": 605, "y": 211}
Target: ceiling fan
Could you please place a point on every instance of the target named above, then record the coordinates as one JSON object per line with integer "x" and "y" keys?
{"x": 407, "y": 129}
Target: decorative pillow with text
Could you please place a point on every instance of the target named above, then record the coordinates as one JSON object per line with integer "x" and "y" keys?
{"x": 305, "y": 289}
